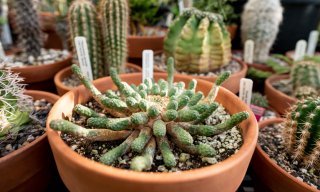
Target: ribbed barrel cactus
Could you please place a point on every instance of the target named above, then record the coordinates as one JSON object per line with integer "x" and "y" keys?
{"x": 305, "y": 78}
{"x": 14, "y": 105}
{"x": 259, "y": 100}
{"x": 301, "y": 132}
{"x": 198, "y": 41}
{"x": 146, "y": 115}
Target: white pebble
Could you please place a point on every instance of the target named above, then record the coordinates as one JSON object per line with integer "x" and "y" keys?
{"x": 211, "y": 160}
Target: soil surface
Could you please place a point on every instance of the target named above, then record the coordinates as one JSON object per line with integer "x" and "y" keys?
{"x": 284, "y": 86}
{"x": 270, "y": 140}
{"x": 28, "y": 133}
{"x": 225, "y": 144}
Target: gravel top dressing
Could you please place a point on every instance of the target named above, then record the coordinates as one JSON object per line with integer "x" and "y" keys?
{"x": 270, "y": 140}
{"x": 225, "y": 144}
{"x": 284, "y": 86}
{"x": 233, "y": 66}
{"x": 29, "y": 133}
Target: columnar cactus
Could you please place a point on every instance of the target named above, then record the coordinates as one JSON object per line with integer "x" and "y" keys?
{"x": 28, "y": 27}
{"x": 114, "y": 17}
{"x": 83, "y": 21}
{"x": 305, "y": 78}
{"x": 259, "y": 100}
{"x": 301, "y": 131}
{"x": 198, "y": 41}
{"x": 147, "y": 116}
{"x": 260, "y": 23}
{"x": 14, "y": 105}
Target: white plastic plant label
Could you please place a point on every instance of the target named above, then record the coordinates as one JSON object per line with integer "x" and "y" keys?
{"x": 2, "y": 53}
{"x": 300, "y": 50}
{"x": 248, "y": 51}
{"x": 312, "y": 42}
{"x": 83, "y": 56}
{"x": 6, "y": 32}
{"x": 147, "y": 64}
{"x": 245, "y": 91}
{"x": 169, "y": 19}
{"x": 181, "y": 6}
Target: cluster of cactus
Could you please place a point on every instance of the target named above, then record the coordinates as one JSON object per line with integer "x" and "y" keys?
{"x": 305, "y": 78}
{"x": 301, "y": 133}
{"x": 260, "y": 23}
{"x": 14, "y": 105}
{"x": 28, "y": 27}
{"x": 105, "y": 33}
{"x": 145, "y": 114}
{"x": 259, "y": 100}
{"x": 198, "y": 41}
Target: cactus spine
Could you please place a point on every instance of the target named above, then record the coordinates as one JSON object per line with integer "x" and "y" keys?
{"x": 301, "y": 131}
{"x": 153, "y": 111}
{"x": 83, "y": 21}
{"x": 28, "y": 27}
{"x": 198, "y": 42}
{"x": 260, "y": 23}
{"x": 114, "y": 16}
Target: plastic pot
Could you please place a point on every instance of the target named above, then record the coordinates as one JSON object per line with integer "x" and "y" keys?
{"x": 32, "y": 167}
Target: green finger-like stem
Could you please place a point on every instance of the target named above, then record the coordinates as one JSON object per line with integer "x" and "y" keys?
{"x": 132, "y": 104}
{"x": 153, "y": 111}
{"x": 155, "y": 89}
{"x": 172, "y": 105}
{"x": 182, "y": 135}
{"x": 187, "y": 115}
{"x": 163, "y": 93}
{"x": 181, "y": 85}
{"x": 201, "y": 108}
{"x": 195, "y": 98}
{"x": 173, "y": 91}
{"x": 139, "y": 118}
{"x": 134, "y": 87}
{"x": 212, "y": 107}
{"x": 163, "y": 86}
{"x": 183, "y": 101}
{"x": 142, "y": 86}
{"x": 122, "y": 149}
{"x": 110, "y": 94}
{"x": 143, "y": 105}
{"x": 85, "y": 111}
{"x": 127, "y": 91}
{"x": 170, "y": 69}
{"x": 119, "y": 124}
{"x": 115, "y": 78}
{"x": 136, "y": 96}
{"x": 144, "y": 162}
{"x": 223, "y": 77}
{"x": 202, "y": 149}
{"x": 168, "y": 157}
{"x": 98, "y": 122}
{"x": 173, "y": 98}
{"x": 187, "y": 93}
{"x": 169, "y": 115}
{"x": 116, "y": 104}
{"x": 207, "y": 130}
{"x": 88, "y": 134}
{"x": 143, "y": 94}
{"x": 159, "y": 128}
{"x": 148, "y": 83}
{"x": 160, "y": 81}
{"x": 139, "y": 143}
{"x": 192, "y": 85}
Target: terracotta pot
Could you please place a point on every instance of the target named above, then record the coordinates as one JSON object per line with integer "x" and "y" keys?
{"x": 232, "y": 84}
{"x": 41, "y": 77}
{"x": 279, "y": 101}
{"x": 290, "y": 54}
{"x": 81, "y": 174}
{"x": 32, "y": 167}
{"x": 232, "y": 29}
{"x": 67, "y": 72}
{"x": 136, "y": 44}
{"x": 277, "y": 179}
{"x": 275, "y": 111}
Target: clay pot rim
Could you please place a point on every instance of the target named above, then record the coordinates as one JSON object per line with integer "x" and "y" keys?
{"x": 134, "y": 176}
{"x": 275, "y": 111}
{"x": 59, "y": 83}
{"x": 242, "y": 63}
{"x": 263, "y": 124}
{"x": 271, "y": 79}
{"x": 289, "y": 53}
{"x": 45, "y": 95}
{"x": 149, "y": 37}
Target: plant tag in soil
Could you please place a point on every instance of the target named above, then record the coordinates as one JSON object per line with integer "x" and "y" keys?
{"x": 147, "y": 64}
{"x": 312, "y": 42}
{"x": 248, "y": 51}
{"x": 300, "y": 50}
{"x": 245, "y": 91}
{"x": 181, "y": 6}
{"x": 257, "y": 111}
{"x": 83, "y": 56}
{"x": 2, "y": 53}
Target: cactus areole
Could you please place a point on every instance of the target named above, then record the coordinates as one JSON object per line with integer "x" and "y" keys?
{"x": 147, "y": 115}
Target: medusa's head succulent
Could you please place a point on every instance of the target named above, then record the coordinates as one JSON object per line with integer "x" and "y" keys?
{"x": 14, "y": 105}
{"x": 146, "y": 114}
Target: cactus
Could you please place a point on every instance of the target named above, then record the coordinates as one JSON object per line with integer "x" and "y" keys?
{"x": 114, "y": 16}
{"x": 259, "y": 100}
{"x": 83, "y": 21}
{"x": 260, "y": 23}
{"x": 301, "y": 131}
{"x": 28, "y": 27}
{"x": 145, "y": 116}
{"x": 14, "y": 105}
{"x": 198, "y": 42}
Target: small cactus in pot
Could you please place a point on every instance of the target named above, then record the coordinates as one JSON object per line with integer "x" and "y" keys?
{"x": 259, "y": 100}
{"x": 147, "y": 116}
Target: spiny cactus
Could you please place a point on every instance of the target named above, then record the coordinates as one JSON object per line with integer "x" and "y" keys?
{"x": 147, "y": 114}
{"x": 259, "y": 100}
{"x": 198, "y": 41}
{"x": 28, "y": 27}
{"x": 14, "y": 105}
{"x": 260, "y": 23}
{"x": 305, "y": 78}
{"x": 114, "y": 17}
{"x": 301, "y": 131}
{"x": 83, "y": 21}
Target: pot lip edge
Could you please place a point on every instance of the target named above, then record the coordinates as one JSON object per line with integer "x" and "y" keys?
{"x": 270, "y": 87}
